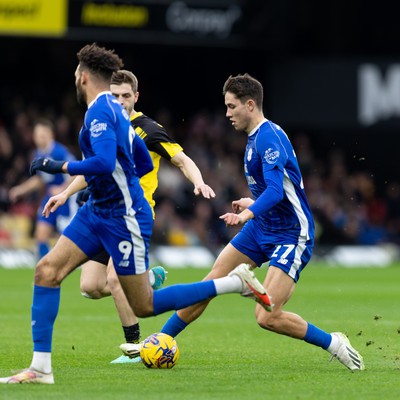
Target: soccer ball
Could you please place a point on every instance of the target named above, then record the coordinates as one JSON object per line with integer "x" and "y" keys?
{"x": 159, "y": 350}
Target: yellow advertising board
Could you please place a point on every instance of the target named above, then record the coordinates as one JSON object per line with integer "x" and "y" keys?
{"x": 33, "y": 17}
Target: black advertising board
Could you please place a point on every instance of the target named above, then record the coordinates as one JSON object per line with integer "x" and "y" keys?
{"x": 193, "y": 23}
{"x": 337, "y": 94}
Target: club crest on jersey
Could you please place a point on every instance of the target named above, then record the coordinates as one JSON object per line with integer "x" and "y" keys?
{"x": 249, "y": 154}
{"x": 271, "y": 156}
{"x": 97, "y": 128}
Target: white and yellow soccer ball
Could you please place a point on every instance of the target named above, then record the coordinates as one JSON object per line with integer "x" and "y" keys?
{"x": 159, "y": 350}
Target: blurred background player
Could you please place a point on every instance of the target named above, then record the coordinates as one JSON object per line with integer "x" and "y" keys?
{"x": 50, "y": 185}
{"x": 96, "y": 280}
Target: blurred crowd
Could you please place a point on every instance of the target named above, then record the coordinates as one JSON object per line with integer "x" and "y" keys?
{"x": 349, "y": 206}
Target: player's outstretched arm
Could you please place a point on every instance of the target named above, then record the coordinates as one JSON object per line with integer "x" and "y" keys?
{"x": 58, "y": 200}
{"x": 193, "y": 174}
{"x": 30, "y": 185}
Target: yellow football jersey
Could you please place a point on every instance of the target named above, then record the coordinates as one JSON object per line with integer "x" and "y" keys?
{"x": 159, "y": 144}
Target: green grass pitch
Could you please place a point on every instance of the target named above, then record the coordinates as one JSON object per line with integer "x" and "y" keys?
{"x": 224, "y": 354}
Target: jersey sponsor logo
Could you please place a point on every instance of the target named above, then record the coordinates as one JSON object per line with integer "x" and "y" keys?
{"x": 251, "y": 180}
{"x": 97, "y": 128}
{"x": 249, "y": 154}
{"x": 271, "y": 156}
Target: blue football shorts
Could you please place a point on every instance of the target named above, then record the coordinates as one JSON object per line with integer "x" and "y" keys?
{"x": 125, "y": 237}
{"x": 288, "y": 252}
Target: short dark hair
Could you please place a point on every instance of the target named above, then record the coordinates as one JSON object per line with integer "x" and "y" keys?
{"x": 245, "y": 87}
{"x": 45, "y": 122}
{"x": 99, "y": 61}
{"x": 125, "y": 76}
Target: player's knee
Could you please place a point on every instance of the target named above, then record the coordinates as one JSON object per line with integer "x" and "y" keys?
{"x": 89, "y": 291}
{"x": 47, "y": 274}
{"x": 91, "y": 294}
{"x": 143, "y": 310}
{"x": 88, "y": 295}
{"x": 267, "y": 320}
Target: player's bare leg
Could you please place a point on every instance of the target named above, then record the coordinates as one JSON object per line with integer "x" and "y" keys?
{"x": 281, "y": 287}
{"x": 227, "y": 261}
{"x": 43, "y": 231}
{"x": 93, "y": 281}
{"x": 129, "y": 321}
{"x": 65, "y": 257}
{"x": 98, "y": 281}
{"x": 49, "y": 273}
{"x": 96, "y": 278}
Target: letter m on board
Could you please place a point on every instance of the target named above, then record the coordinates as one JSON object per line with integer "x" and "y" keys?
{"x": 378, "y": 95}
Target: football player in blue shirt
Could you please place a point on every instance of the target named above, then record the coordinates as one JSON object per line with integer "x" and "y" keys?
{"x": 98, "y": 277}
{"x": 47, "y": 146}
{"x": 277, "y": 224}
{"x": 117, "y": 218}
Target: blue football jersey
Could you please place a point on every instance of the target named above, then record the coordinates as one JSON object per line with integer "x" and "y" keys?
{"x": 269, "y": 147}
{"x": 57, "y": 152}
{"x": 119, "y": 191}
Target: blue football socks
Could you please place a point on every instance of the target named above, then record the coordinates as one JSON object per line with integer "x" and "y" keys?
{"x": 317, "y": 336}
{"x": 174, "y": 326}
{"x": 180, "y": 296}
{"x": 44, "y": 312}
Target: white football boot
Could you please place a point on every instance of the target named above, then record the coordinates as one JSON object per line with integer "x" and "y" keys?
{"x": 131, "y": 350}
{"x": 347, "y": 354}
{"x": 252, "y": 288}
{"x": 29, "y": 375}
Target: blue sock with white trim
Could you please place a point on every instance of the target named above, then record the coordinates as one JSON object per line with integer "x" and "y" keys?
{"x": 317, "y": 336}
{"x": 44, "y": 311}
{"x": 176, "y": 297}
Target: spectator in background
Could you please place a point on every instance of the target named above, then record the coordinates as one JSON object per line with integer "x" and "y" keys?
{"x": 393, "y": 211}
{"x": 46, "y": 146}
{"x": 332, "y": 186}
{"x": 6, "y": 152}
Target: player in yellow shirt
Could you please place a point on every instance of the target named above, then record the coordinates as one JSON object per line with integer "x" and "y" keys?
{"x": 97, "y": 281}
